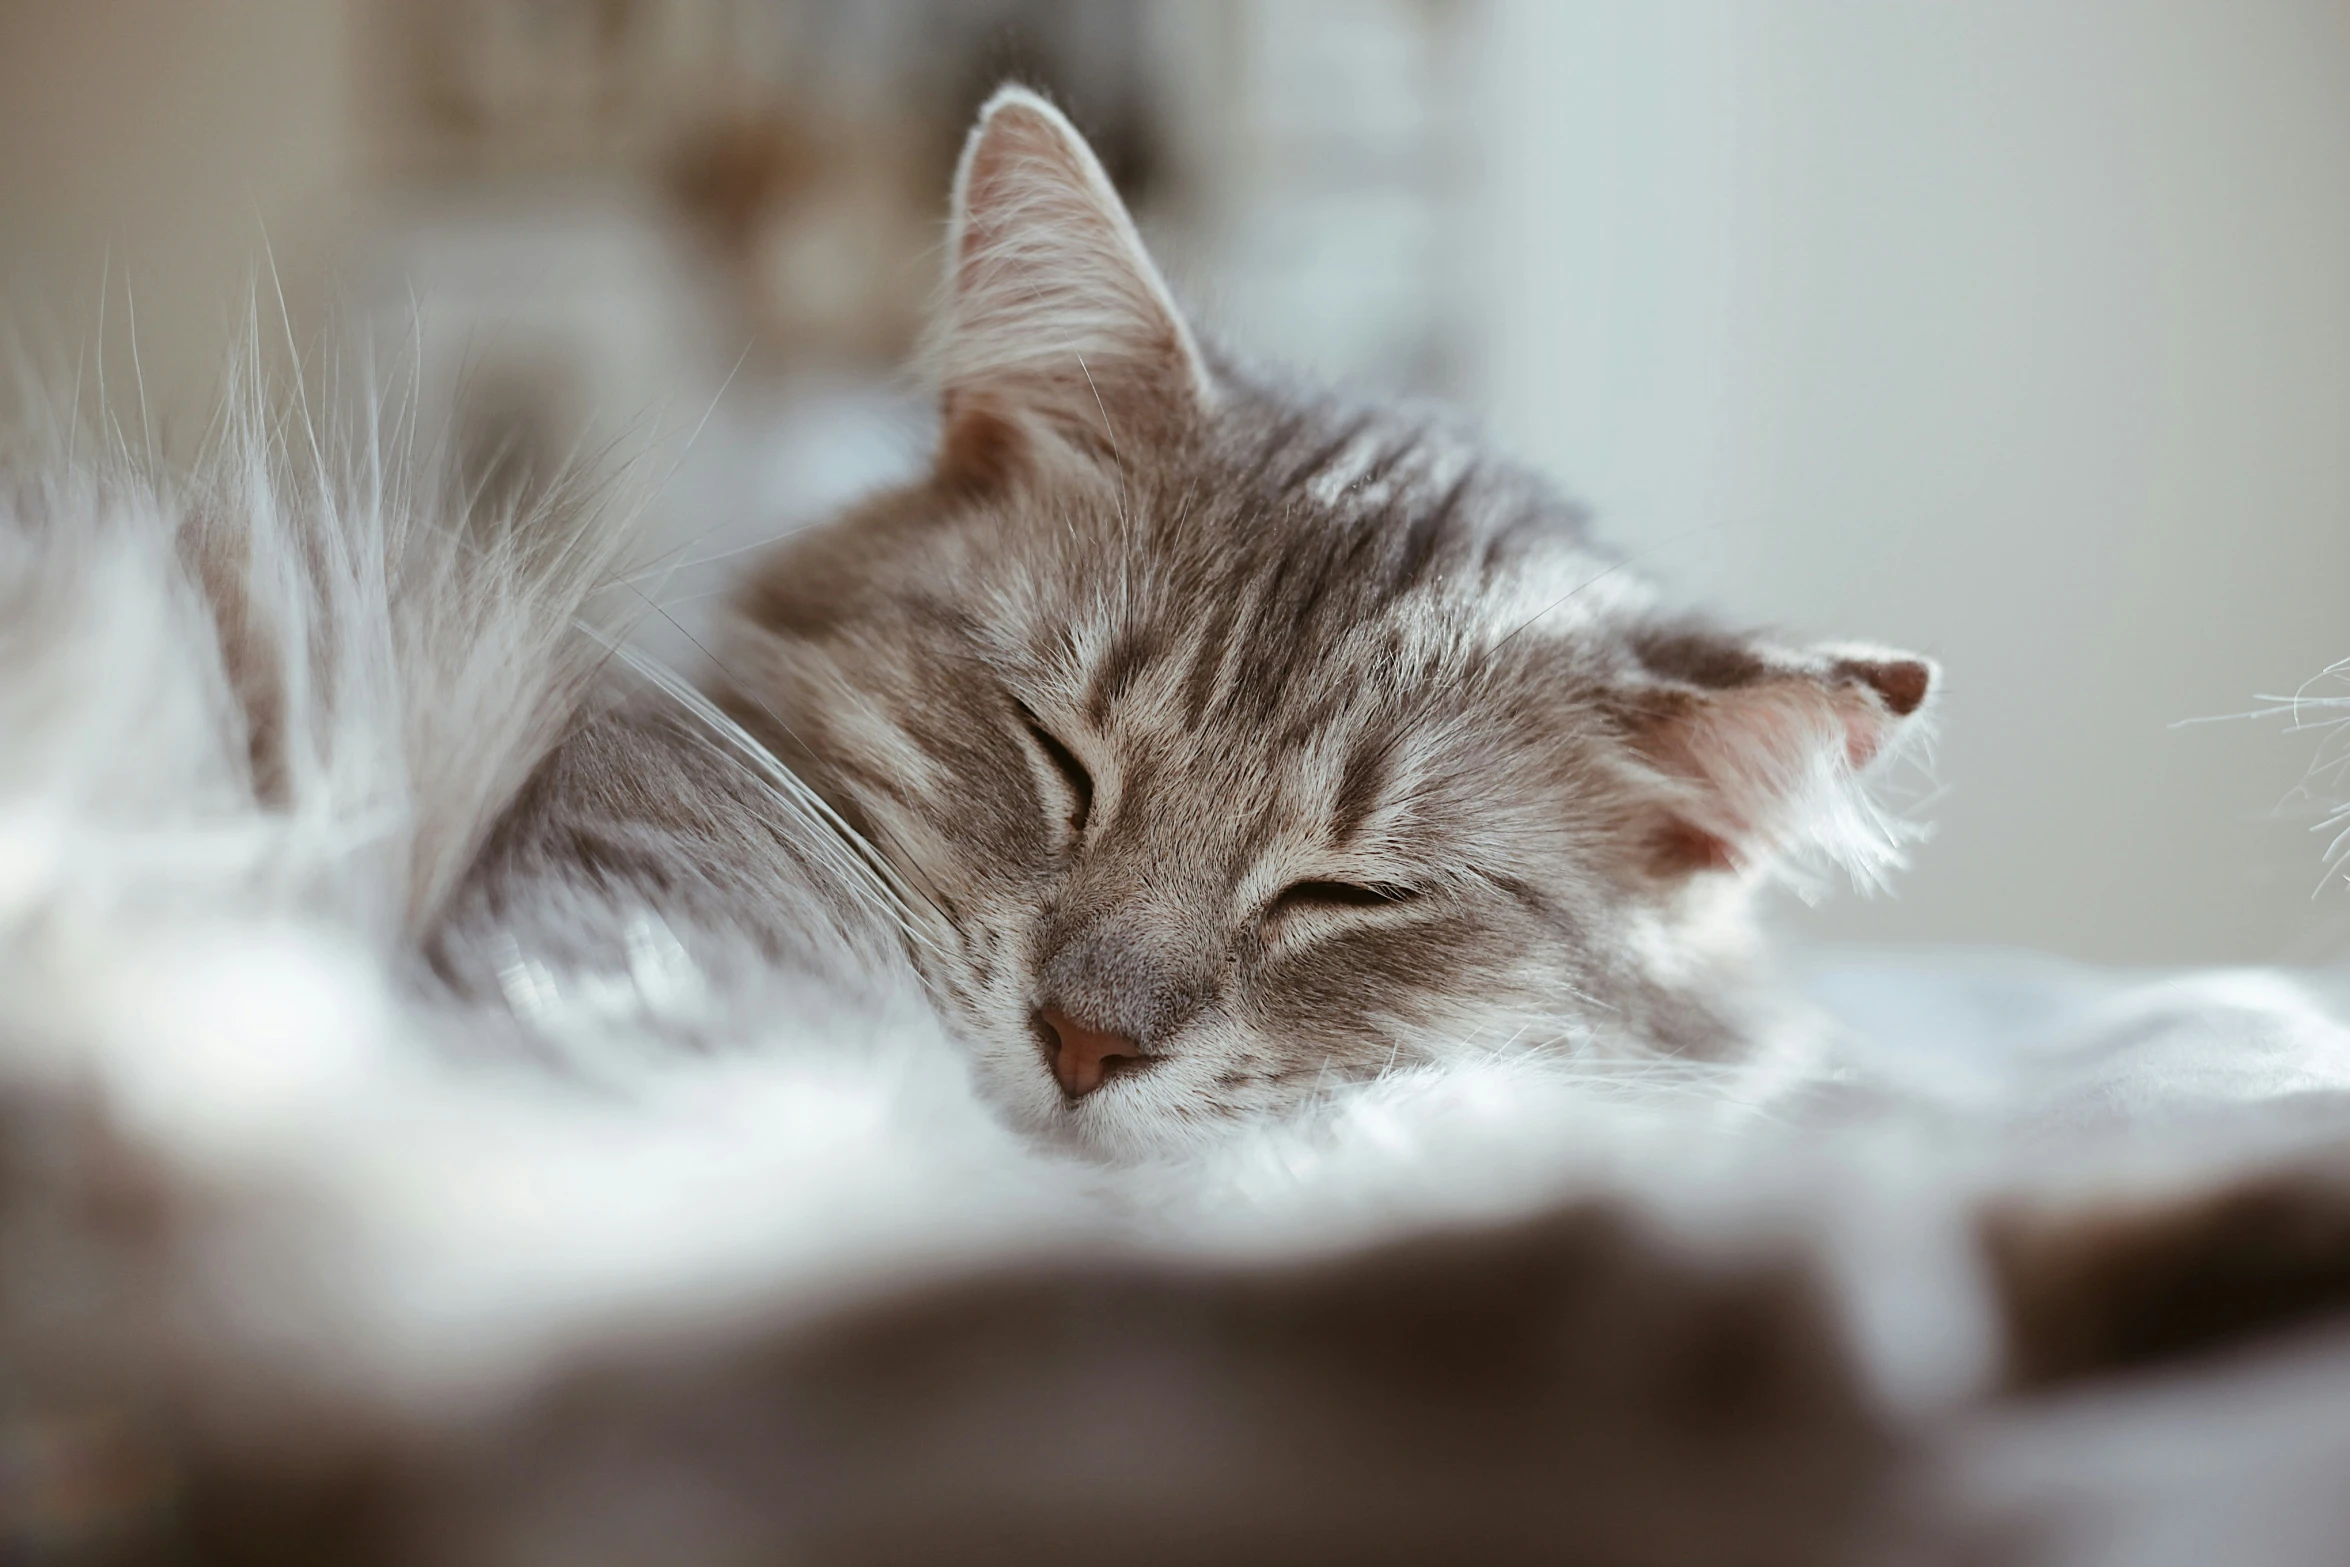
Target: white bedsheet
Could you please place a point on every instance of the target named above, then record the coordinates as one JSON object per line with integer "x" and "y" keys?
{"x": 2032, "y": 1039}
{"x": 2241, "y": 1459}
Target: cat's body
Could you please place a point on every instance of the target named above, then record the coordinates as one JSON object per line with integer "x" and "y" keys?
{"x": 648, "y": 880}
{"x": 1154, "y": 648}
{"x": 1228, "y": 742}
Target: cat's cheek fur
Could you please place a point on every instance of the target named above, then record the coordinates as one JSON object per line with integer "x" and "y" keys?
{"x": 1286, "y": 639}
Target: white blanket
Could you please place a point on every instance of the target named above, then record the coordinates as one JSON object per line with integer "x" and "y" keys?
{"x": 205, "y": 967}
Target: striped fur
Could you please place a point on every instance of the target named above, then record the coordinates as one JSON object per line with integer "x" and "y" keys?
{"x": 1288, "y": 737}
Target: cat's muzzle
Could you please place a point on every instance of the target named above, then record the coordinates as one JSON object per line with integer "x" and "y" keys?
{"x": 1083, "y": 1057}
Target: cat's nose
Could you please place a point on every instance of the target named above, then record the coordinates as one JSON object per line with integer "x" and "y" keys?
{"x": 1082, "y": 1055}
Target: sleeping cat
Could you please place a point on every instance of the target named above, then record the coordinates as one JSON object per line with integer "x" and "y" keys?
{"x": 1217, "y": 741}
{"x": 1179, "y": 743}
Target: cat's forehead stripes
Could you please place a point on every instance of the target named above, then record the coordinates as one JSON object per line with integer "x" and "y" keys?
{"x": 1291, "y": 626}
{"x": 1362, "y": 782}
{"x": 1283, "y": 639}
{"x": 1129, "y": 653}
{"x": 1286, "y": 602}
{"x": 1335, "y": 469}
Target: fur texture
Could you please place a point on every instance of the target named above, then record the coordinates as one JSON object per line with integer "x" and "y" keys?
{"x": 317, "y": 822}
{"x": 1284, "y": 740}
{"x": 295, "y": 1242}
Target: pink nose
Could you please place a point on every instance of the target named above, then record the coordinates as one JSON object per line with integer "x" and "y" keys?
{"x": 1082, "y": 1056}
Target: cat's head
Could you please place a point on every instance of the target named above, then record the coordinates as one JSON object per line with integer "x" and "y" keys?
{"x": 1242, "y": 742}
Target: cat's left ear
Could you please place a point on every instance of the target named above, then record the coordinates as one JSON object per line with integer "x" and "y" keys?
{"x": 1767, "y": 748}
{"x": 1056, "y": 325}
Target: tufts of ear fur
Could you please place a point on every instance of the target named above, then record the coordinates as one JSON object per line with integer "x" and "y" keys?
{"x": 1056, "y": 327}
{"x": 1769, "y": 753}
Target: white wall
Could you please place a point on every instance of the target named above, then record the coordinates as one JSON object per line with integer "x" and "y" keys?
{"x": 2015, "y": 331}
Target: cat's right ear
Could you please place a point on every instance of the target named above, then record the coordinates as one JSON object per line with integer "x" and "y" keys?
{"x": 1056, "y": 327}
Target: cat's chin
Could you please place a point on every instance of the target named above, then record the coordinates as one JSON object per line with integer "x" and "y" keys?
{"x": 1111, "y": 1125}
{"x": 1128, "y": 1119}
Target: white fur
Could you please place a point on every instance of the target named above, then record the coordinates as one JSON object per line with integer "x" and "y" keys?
{"x": 230, "y": 970}
{"x": 223, "y": 973}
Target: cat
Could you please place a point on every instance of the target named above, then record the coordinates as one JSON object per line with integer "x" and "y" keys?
{"x": 1215, "y": 742}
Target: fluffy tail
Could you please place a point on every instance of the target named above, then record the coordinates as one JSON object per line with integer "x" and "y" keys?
{"x": 311, "y": 663}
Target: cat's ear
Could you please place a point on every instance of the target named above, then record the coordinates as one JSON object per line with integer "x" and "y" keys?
{"x": 1765, "y": 749}
{"x": 1056, "y": 327}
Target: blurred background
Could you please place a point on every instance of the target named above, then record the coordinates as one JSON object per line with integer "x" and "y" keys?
{"x": 2015, "y": 332}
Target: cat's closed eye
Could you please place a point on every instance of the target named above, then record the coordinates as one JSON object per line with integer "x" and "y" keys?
{"x": 1330, "y": 896}
{"x": 1064, "y": 762}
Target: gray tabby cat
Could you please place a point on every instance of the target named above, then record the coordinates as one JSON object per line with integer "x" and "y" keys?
{"x": 1221, "y": 741}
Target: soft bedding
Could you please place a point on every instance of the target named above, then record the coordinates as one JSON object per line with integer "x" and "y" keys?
{"x": 1992, "y": 1258}
{"x": 2061, "y": 1046}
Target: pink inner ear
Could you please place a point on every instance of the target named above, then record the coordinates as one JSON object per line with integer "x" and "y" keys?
{"x": 1900, "y": 685}
{"x": 1682, "y": 848}
{"x": 1865, "y": 733}
{"x": 1760, "y": 755}
{"x": 1056, "y": 321}
{"x": 1021, "y": 169}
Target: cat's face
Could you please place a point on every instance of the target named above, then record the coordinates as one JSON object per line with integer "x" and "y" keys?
{"x": 1238, "y": 743}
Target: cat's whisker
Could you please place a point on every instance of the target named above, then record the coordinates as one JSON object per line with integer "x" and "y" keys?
{"x": 764, "y": 542}
{"x": 863, "y": 868}
{"x": 1109, "y": 435}
{"x": 1284, "y": 636}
